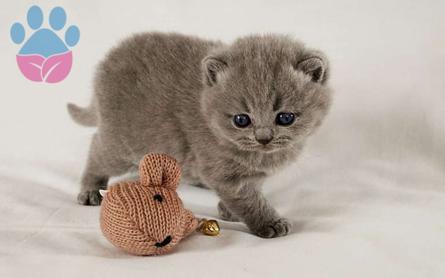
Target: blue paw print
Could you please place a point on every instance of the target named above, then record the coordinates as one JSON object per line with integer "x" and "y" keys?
{"x": 45, "y": 41}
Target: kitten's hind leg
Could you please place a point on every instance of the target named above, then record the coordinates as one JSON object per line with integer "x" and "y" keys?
{"x": 101, "y": 165}
{"x": 91, "y": 184}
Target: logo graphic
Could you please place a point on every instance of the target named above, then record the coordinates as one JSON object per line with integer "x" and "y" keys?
{"x": 45, "y": 57}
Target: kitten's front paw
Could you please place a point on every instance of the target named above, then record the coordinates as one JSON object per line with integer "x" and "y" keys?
{"x": 226, "y": 214}
{"x": 276, "y": 228}
{"x": 89, "y": 198}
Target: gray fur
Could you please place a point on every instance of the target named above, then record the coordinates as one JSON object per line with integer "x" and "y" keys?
{"x": 177, "y": 94}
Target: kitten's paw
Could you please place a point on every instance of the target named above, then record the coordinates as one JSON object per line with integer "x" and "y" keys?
{"x": 225, "y": 214}
{"x": 89, "y": 198}
{"x": 276, "y": 228}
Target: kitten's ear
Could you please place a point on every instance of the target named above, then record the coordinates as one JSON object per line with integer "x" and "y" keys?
{"x": 315, "y": 65}
{"x": 213, "y": 67}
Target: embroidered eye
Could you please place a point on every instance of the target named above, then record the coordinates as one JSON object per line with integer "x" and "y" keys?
{"x": 285, "y": 119}
{"x": 158, "y": 198}
{"x": 241, "y": 120}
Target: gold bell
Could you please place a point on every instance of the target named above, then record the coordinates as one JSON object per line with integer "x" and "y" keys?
{"x": 209, "y": 227}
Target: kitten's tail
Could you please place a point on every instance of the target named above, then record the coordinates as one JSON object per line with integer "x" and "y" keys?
{"x": 84, "y": 116}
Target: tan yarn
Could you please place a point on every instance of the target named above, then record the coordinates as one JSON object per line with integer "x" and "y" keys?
{"x": 140, "y": 216}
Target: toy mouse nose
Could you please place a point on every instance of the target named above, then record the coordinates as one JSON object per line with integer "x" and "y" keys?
{"x": 164, "y": 242}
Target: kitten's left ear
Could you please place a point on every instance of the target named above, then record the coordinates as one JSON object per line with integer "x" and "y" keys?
{"x": 314, "y": 64}
{"x": 213, "y": 67}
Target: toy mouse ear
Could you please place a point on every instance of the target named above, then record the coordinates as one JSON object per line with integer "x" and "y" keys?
{"x": 159, "y": 170}
{"x": 103, "y": 192}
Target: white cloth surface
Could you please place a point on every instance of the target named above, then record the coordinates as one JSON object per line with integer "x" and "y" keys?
{"x": 367, "y": 197}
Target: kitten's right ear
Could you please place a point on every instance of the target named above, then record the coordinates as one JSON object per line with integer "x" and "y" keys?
{"x": 213, "y": 67}
{"x": 314, "y": 64}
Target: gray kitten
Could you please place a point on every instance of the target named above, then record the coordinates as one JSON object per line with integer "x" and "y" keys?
{"x": 230, "y": 114}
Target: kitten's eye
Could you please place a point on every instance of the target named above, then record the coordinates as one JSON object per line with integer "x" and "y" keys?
{"x": 158, "y": 198}
{"x": 285, "y": 119}
{"x": 241, "y": 120}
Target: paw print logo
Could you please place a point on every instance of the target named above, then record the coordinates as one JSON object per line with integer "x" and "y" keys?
{"x": 44, "y": 56}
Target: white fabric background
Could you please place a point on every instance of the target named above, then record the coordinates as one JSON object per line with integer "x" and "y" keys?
{"x": 367, "y": 197}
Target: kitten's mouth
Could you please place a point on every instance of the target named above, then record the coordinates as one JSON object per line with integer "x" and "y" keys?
{"x": 251, "y": 145}
{"x": 269, "y": 148}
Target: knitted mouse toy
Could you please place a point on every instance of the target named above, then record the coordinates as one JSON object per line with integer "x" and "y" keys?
{"x": 147, "y": 217}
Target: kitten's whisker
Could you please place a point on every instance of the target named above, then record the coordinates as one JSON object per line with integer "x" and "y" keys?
{"x": 283, "y": 137}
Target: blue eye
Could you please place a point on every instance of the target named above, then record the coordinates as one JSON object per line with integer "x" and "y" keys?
{"x": 285, "y": 119}
{"x": 241, "y": 120}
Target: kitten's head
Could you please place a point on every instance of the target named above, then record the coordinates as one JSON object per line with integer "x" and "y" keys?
{"x": 265, "y": 93}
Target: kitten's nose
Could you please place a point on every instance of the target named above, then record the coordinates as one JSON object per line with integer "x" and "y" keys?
{"x": 263, "y": 135}
{"x": 264, "y": 141}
